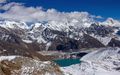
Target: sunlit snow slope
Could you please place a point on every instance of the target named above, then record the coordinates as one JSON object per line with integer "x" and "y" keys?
{"x": 105, "y": 61}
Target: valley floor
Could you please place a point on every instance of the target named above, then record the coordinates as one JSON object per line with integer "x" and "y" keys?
{"x": 69, "y": 54}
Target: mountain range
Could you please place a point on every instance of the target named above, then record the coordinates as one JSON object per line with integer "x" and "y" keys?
{"x": 54, "y": 35}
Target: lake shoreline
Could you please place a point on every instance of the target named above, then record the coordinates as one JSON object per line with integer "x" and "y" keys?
{"x": 67, "y": 62}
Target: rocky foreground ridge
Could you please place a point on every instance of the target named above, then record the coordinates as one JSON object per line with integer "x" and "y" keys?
{"x": 18, "y": 65}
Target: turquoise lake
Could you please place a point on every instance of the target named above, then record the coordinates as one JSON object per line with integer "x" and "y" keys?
{"x": 67, "y": 62}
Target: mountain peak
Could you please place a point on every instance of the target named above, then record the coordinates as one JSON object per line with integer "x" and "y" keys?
{"x": 13, "y": 24}
{"x": 111, "y": 22}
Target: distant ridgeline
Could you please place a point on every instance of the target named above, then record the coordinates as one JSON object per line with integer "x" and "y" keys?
{"x": 54, "y": 36}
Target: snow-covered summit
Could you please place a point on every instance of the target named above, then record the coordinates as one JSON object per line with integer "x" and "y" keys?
{"x": 111, "y": 22}
{"x": 70, "y": 23}
{"x": 13, "y": 25}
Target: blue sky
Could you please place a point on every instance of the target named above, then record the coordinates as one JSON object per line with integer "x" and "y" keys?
{"x": 105, "y": 8}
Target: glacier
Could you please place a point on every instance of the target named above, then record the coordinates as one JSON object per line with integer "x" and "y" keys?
{"x": 104, "y": 61}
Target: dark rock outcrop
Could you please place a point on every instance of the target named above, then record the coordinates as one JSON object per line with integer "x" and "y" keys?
{"x": 66, "y": 44}
{"x": 114, "y": 43}
{"x": 90, "y": 42}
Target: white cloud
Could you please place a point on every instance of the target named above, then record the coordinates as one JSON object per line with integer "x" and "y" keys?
{"x": 9, "y": 5}
{"x": 16, "y": 11}
{"x": 2, "y": 1}
{"x": 99, "y": 17}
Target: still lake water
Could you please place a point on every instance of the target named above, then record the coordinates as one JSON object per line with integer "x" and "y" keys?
{"x": 67, "y": 62}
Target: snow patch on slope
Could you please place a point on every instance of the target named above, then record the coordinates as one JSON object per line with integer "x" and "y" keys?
{"x": 103, "y": 40}
{"x": 9, "y": 58}
{"x": 27, "y": 41}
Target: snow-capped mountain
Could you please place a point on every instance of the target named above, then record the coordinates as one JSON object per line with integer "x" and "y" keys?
{"x": 80, "y": 32}
{"x": 111, "y": 22}
{"x": 13, "y": 25}
{"x": 105, "y": 61}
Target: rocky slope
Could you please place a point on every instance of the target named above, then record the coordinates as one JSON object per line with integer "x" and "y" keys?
{"x": 18, "y": 65}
